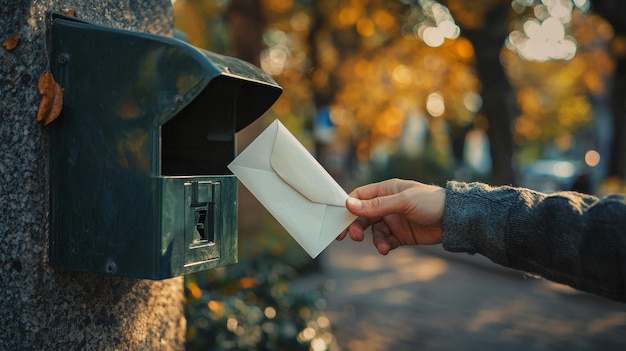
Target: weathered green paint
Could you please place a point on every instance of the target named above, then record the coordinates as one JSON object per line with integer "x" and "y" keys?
{"x": 138, "y": 157}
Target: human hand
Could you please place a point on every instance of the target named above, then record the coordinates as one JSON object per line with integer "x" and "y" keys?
{"x": 401, "y": 212}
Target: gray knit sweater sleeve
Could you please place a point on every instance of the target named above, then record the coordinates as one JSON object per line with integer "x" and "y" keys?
{"x": 571, "y": 238}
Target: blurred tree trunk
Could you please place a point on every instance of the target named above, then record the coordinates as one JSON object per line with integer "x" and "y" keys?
{"x": 246, "y": 25}
{"x": 617, "y": 165}
{"x": 499, "y": 104}
{"x": 322, "y": 96}
{"x": 42, "y": 308}
{"x": 614, "y": 11}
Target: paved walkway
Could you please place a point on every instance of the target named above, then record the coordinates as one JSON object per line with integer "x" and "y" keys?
{"x": 427, "y": 299}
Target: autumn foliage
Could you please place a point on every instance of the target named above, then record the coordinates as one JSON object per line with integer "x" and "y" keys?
{"x": 368, "y": 62}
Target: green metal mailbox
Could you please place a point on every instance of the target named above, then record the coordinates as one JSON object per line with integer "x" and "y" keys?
{"x": 139, "y": 184}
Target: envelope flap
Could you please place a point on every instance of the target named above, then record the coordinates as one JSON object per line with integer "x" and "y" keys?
{"x": 297, "y": 167}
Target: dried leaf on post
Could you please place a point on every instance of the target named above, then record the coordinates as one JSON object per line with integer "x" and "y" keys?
{"x": 11, "y": 43}
{"x": 51, "y": 99}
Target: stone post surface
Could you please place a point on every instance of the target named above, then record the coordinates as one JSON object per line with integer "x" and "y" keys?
{"x": 42, "y": 308}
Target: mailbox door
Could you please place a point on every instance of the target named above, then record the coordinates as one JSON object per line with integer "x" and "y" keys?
{"x": 198, "y": 224}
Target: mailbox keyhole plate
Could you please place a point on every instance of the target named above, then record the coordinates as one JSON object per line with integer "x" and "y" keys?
{"x": 202, "y": 211}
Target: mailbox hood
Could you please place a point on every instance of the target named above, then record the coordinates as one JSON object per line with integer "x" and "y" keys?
{"x": 168, "y": 74}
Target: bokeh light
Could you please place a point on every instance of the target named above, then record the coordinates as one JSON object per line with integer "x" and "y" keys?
{"x": 300, "y": 21}
{"x": 435, "y": 104}
{"x": 270, "y": 312}
{"x": 276, "y": 57}
{"x": 432, "y": 36}
{"x": 563, "y": 169}
{"x": 473, "y": 102}
{"x": 402, "y": 75}
{"x": 545, "y": 37}
{"x": 592, "y": 158}
{"x": 434, "y": 24}
{"x": 365, "y": 27}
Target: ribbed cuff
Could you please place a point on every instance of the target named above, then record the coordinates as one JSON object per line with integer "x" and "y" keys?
{"x": 474, "y": 219}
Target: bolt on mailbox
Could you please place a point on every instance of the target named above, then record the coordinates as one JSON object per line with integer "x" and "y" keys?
{"x": 139, "y": 184}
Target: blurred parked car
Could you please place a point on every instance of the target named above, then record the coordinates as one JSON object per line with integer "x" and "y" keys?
{"x": 553, "y": 175}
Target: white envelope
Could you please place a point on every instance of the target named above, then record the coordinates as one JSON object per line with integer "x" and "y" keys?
{"x": 294, "y": 188}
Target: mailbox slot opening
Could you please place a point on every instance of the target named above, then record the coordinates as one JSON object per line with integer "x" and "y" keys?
{"x": 200, "y": 139}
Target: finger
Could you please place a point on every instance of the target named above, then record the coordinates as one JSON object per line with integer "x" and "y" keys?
{"x": 387, "y": 187}
{"x": 380, "y": 238}
{"x": 377, "y": 207}
{"x": 384, "y": 239}
{"x": 356, "y": 230}
{"x": 342, "y": 235}
{"x": 373, "y": 190}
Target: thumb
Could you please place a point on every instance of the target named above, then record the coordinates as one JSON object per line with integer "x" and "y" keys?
{"x": 376, "y": 207}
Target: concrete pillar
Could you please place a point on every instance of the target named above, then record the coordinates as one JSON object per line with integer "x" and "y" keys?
{"x": 42, "y": 308}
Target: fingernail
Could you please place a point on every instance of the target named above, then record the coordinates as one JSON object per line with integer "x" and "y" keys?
{"x": 355, "y": 203}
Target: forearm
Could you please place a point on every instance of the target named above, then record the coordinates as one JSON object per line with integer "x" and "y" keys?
{"x": 570, "y": 238}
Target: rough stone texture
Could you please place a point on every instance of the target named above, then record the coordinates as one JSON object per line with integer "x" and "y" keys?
{"x": 40, "y": 308}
